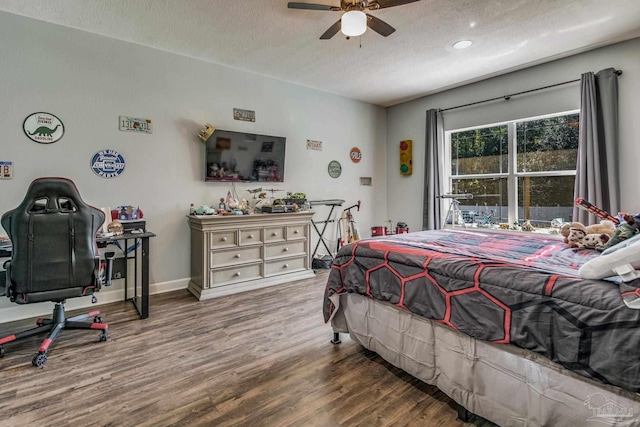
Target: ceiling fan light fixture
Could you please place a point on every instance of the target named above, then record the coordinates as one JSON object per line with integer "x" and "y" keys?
{"x": 462, "y": 44}
{"x": 354, "y": 23}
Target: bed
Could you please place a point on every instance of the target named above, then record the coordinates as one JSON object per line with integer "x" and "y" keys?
{"x": 501, "y": 322}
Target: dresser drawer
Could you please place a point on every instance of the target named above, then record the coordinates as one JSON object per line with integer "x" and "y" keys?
{"x": 274, "y": 234}
{"x": 222, "y": 239}
{"x": 234, "y": 274}
{"x": 296, "y": 232}
{"x": 284, "y": 249}
{"x": 250, "y": 236}
{"x": 235, "y": 256}
{"x": 284, "y": 266}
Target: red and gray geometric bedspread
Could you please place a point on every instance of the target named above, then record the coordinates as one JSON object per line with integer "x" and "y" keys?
{"x": 520, "y": 289}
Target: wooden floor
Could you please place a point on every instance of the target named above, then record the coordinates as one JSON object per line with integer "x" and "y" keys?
{"x": 260, "y": 358}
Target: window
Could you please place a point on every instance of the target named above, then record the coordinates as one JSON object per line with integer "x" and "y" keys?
{"x": 517, "y": 171}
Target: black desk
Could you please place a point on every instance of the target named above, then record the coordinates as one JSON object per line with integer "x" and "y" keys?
{"x": 141, "y": 300}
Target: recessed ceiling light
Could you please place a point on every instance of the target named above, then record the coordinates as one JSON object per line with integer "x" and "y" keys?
{"x": 462, "y": 44}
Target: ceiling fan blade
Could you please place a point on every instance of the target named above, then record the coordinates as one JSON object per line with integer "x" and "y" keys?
{"x": 379, "y": 26}
{"x": 332, "y": 31}
{"x": 311, "y": 6}
{"x": 388, "y": 3}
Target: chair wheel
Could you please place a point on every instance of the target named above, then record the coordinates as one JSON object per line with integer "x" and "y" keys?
{"x": 104, "y": 336}
{"x": 97, "y": 319}
{"x": 39, "y": 359}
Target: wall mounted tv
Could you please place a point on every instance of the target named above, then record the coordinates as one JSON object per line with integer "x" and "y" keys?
{"x": 244, "y": 157}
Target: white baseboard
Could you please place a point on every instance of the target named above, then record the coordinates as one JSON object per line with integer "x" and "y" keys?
{"x": 10, "y": 312}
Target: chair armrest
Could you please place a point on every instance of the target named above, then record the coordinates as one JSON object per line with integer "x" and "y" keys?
{"x": 106, "y": 272}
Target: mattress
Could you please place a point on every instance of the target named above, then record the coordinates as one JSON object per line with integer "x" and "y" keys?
{"x": 499, "y": 382}
{"x": 503, "y": 288}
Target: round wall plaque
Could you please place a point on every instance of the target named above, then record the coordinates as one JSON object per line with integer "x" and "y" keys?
{"x": 355, "y": 154}
{"x": 107, "y": 163}
{"x": 334, "y": 169}
{"x": 43, "y": 128}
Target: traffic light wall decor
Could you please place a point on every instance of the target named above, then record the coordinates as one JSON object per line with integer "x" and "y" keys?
{"x": 406, "y": 166}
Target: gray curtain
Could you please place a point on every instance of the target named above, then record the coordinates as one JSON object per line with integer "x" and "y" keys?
{"x": 433, "y": 162}
{"x": 597, "y": 179}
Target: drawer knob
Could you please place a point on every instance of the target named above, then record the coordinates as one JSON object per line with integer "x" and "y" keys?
{"x": 285, "y": 266}
{"x": 237, "y": 255}
{"x": 296, "y": 231}
{"x": 237, "y": 274}
{"x": 250, "y": 236}
{"x": 285, "y": 249}
{"x": 224, "y": 239}
{"x": 274, "y": 234}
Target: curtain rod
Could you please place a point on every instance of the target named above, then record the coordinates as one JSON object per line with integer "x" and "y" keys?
{"x": 507, "y": 97}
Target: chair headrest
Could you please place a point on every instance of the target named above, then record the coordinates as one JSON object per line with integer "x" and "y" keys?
{"x": 52, "y": 194}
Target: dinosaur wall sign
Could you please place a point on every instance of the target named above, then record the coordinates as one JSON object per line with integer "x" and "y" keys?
{"x": 44, "y": 128}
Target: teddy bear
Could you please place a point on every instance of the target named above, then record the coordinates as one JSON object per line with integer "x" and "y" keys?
{"x": 629, "y": 227}
{"x": 578, "y": 238}
{"x": 605, "y": 227}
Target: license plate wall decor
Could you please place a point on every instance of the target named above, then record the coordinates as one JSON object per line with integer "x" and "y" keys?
{"x": 132, "y": 124}
{"x": 244, "y": 115}
{"x": 6, "y": 170}
{"x": 43, "y": 128}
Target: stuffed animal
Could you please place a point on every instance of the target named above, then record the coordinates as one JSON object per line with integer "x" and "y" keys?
{"x": 578, "y": 238}
{"x": 625, "y": 229}
{"x": 605, "y": 227}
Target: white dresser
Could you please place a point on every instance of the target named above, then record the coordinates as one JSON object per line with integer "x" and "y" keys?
{"x": 231, "y": 254}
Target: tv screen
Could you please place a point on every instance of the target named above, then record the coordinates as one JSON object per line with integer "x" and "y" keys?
{"x": 248, "y": 157}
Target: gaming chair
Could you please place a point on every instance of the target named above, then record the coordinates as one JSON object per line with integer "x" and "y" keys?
{"x": 54, "y": 257}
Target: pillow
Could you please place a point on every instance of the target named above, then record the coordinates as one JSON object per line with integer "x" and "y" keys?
{"x": 622, "y": 244}
{"x": 604, "y": 265}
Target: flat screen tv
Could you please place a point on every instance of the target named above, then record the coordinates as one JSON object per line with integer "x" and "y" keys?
{"x": 244, "y": 157}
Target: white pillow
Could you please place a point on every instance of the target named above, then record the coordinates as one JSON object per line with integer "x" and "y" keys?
{"x": 603, "y": 266}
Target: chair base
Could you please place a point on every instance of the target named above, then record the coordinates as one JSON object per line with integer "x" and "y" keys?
{"x": 54, "y": 326}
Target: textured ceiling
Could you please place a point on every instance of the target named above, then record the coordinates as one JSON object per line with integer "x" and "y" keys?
{"x": 267, "y": 38}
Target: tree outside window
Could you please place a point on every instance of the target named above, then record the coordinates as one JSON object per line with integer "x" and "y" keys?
{"x": 518, "y": 171}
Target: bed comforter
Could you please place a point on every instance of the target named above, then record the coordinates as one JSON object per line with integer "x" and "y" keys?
{"x": 506, "y": 288}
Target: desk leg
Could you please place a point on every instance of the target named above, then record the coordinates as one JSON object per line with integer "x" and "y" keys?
{"x": 144, "y": 313}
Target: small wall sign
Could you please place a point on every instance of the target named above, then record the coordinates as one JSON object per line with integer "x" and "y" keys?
{"x": 107, "y": 163}
{"x": 44, "y": 128}
{"x": 314, "y": 145}
{"x": 6, "y": 170}
{"x": 244, "y": 115}
{"x": 355, "y": 155}
{"x": 365, "y": 180}
{"x": 132, "y": 124}
{"x": 334, "y": 168}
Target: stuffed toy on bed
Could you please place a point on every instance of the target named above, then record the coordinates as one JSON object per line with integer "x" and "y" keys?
{"x": 624, "y": 231}
{"x": 578, "y": 238}
{"x": 605, "y": 227}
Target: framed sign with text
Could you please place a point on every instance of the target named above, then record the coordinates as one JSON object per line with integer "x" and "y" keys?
{"x": 107, "y": 163}
{"x": 43, "y": 128}
{"x": 334, "y": 168}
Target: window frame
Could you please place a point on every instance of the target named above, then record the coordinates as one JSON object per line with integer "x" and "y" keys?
{"x": 512, "y": 175}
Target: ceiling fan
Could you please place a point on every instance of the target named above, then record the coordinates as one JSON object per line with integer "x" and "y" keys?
{"x": 354, "y": 21}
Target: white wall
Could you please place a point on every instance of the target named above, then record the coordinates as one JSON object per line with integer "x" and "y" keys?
{"x": 407, "y": 121}
{"x": 88, "y": 81}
